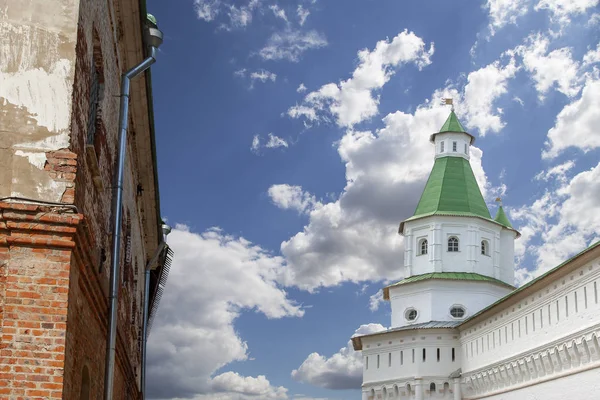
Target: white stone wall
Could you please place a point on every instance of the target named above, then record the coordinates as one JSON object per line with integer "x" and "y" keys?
{"x": 552, "y": 333}
{"x": 463, "y": 145}
{"x": 470, "y": 232}
{"x": 398, "y": 375}
{"x": 433, "y": 299}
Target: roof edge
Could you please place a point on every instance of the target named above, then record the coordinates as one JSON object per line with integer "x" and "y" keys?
{"x": 449, "y": 214}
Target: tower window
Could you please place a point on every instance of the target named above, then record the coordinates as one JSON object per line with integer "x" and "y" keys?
{"x": 454, "y": 147}
{"x": 423, "y": 246}
{"x": 367, "y": 362}
{"x": 457, "y": 311}
{"x": 466, "y": 149}
{"x": 432, "y": 387}
{"x": 485, "y": 248}
{"x": 453, "y": 244}
{"x": 411, "y": 314}
{"x": 441, "y": 147}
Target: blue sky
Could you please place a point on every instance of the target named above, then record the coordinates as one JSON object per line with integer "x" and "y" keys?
{"x": 292, "y": 140}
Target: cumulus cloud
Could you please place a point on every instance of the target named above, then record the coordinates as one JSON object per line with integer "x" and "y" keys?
{"x": 556, "y": 219}
{"x": 592, "y": 56}
{"x": 259, "y": 387}
{"x": 352, "y": 101}
{"x": 291, "y": 44}
{"x": 355, "y": 236}
{"x": 290, "y": 197}
{"x": 199, "y": 308}
{"x": 577, "y": 123}
{"x": 484, "y": 86}
{"x": 556, "y": 68}
{"x": 562, "y": 10}
{"x": 343, "y": 370}
{"x": 503, "y": 12}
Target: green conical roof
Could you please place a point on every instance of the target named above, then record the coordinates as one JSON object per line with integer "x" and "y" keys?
{"x": 501, "y": 218}
{"x": 452, "y": 189}
{"x": 452, "y": 124}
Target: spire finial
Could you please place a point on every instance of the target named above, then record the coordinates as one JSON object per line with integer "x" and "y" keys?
{"x": 448, "y": 101}
{"x": 499, "y": 201}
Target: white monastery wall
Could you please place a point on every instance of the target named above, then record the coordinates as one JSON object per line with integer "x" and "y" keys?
{"x": 553, "y": 332}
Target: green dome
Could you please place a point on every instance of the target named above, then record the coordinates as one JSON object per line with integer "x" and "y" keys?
{"x": 152, "y": 19}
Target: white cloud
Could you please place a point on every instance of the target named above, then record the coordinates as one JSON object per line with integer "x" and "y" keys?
{"x": 260, "y": 386}
{"x": 558, "y": 172}
{"x": 255, "y": 143}
{"x": 375, "y": 300}
{"x": 343, "y": 370}
{"x": 241, "y": 73}
{"x": 278, "y": 12}
{"x": 291, "y": 44}
{"x": 290, "y": 197}
{"x": 518, "y": 100}
{"x": 483, "y": 88}
{"x": 555, "y": 68}
{"x": 207, "y": 9}
{"x": 503, "y": 12}
{"x": 577, "y": 123}
{"x": 301, "y": 88}
{"x": 592, "y": 56}
{"x": 263, "y": 76}
{"x": 351, "y": 101}
{"x": 199, "y": 308}
{"x": 237, "y": 16}
{"x": 302, "y": 13}
{"x": 273, "y": 143}
{"x": 557, "y": 221}
{"x": 562, "y": 10}
{"x": 354, "y": 238}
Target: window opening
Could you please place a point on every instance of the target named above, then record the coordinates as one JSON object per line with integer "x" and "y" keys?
{"x": 453, "y": 244}
{"x": 401, "y": 357}
{"x": 438, "y": 354}
{"x": 441, "y": 147}
{"x": 424, "y": 355}
{"x": 411, "y": 314}
{"x": 423, "y": 246}
{"x": 367, "y": 362}
{"x": 377, "y": 360}
{"x": 585, "y": 296}
{"x": 466, "y": 151}
{"x": 567, "y": 306}
{"x": 454, "y": 147}
{"x": 413, "y": 356}
{"x": 84, "y": 393}
{"x": 457, "y": 312}
{"x": 390, "y": 360}
{"x": 485, "y": 248}
{"x": 432, "y": 387}
{"x": 454, "y": 352}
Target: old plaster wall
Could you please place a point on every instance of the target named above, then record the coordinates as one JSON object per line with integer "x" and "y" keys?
{"x": 37, "y": 57}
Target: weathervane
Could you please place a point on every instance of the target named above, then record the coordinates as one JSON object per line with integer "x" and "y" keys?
{"x": 448, "y": 101}
{"x": 499, "y": 201}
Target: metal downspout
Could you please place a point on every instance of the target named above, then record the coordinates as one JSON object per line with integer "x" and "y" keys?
{"x": 116, "y": 232}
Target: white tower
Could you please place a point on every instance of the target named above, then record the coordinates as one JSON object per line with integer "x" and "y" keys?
{"x": 457, "y": 261}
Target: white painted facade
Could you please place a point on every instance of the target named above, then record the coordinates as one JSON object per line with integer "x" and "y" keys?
{"x": 471, "y": 234}
{"x": 538, "y": 342}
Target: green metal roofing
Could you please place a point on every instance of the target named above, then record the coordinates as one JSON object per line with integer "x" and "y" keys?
{"x": 452, "y": 124}
{"x": 501, "y": 218}
{"x": 452, "y": 189}
{"x": 451, "y": 276}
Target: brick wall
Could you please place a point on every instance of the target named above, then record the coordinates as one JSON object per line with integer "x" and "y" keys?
{"x": 54, "y": 261}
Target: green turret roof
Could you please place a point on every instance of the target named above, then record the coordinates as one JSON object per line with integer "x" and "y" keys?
{"x": 452, "y": 124}
{"x": 452, "y": 190}
{"x": 501, "y": 218}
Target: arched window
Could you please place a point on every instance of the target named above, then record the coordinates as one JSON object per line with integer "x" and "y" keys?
{"x": 453, "y": 244}
{"x": 423, "y": 246}
{"x": 432, "y": 387}
{"x": 408, "y": 388}
{"x": 485, "y": 248}
{"x": 84, "y": 392}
